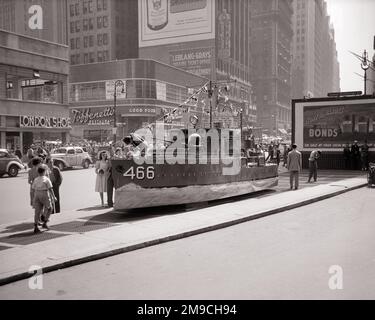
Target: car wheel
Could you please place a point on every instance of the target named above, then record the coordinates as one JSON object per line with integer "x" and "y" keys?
{"x": 60, "y": 165}
{"x": 86, "y": 164}
{"x": 13, "y": 171}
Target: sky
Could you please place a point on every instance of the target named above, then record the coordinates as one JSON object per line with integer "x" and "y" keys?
{"x": 354, "y": 24}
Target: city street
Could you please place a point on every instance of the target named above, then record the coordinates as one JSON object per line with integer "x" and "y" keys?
{"x": 76, "y": 191}
{"x": 283, "y": 256}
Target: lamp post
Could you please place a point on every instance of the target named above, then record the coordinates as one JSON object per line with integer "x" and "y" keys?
{"x": 364, "y": 66}
{"x": 117, "y": 84}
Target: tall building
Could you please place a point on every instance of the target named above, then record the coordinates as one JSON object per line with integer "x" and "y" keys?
{"x": 210, "y": 38}
{"x": 19, "y": 16}
{"x": 315, "y": 66}
{"x": 271, "y": 36}
{"x": 33, "y": 91}
{"x": 102, "y": 30}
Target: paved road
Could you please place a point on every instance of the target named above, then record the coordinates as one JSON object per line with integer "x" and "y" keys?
{"x": 284, "y": 256}
{"x": 77, "y": 192}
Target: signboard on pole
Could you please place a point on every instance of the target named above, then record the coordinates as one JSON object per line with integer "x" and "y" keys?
{"x": 110, "y": 90}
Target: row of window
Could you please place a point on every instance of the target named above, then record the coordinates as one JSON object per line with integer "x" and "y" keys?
{"x": 90, "y": 57}
{"x": 88, "y": 24}
{"x": 134, "y": 89}
{"x": 88, "y": 7}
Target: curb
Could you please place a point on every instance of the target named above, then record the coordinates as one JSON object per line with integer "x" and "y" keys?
{"x": 106, "y": 254}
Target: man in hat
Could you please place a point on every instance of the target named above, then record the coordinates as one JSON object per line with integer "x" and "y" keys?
{"x": 313, "y": 164}
{"x": 355, "y": 155}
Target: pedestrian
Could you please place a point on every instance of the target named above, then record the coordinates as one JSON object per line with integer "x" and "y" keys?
{"x": 294, "y": 166}
{"x": 287, "y": 149}
{"x": 347, "y": 156}
{"x": 101, "y": 170}
{"x": 43, "y": 198}
{"x": 18, "y": 153}
{"x": 30, "y": 155}
{"x": 277, "y": 154}
{"x": 33, "y": 174}
{"x": 364, "y": 156}
{"x": 355, "y": 155}
{"x": 110, "y": 183}
{"x": 56, "y": 179}
{"x": 270, "y": 152}
{"x": 313, "y": 165}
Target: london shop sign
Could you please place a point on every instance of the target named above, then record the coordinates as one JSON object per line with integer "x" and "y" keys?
{"x": 95, "y": 116}
{"x": 44, "y": 122}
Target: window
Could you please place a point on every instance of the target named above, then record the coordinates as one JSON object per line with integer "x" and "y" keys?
{"x": 77, "y": 9}
{"x": 85, "y": 41}
{"x": 71, "y": 151}
{"x": 79, "y": 150}
{"x": 105, "y": 55}
{"x": 78, "y": 28}
{"x": 90, "y": 6}
{"x": 104, "y": 4}
{"x": 85, "y": 24}
{"x": 91, "y": 41}
{"x": 99, "y": 4}
{"x": 72, "y": 27}
{"x": 100, "y": 40}
{"x": 105, "y": 39}
{"x": 92, "y": 57}
{"x": 91, "y": 23}
{"x": 85, "y": 7}
{"x": 72, "y": 59}
{"x": 72, "y": 10}
{"x": 99, "y": 22}
{"x": 78, "y": 43}
{"x": 105, "y": 21}
{"x": 78, "y": 58}
{"x": 72, "y": 44}
{"x": 86, "y": 58}
{"x": 100, "y": 56}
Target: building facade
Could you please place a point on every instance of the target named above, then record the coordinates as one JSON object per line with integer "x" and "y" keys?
{"x": 152, "y": 92}
{"x": 47, "y": 22}
{"x": 315, "y": 66}
{"x": 102, "y": 30}
{"x": 210, "y": 38}
{"x": 271, "y": 36}
{"x": 33, "y": 91}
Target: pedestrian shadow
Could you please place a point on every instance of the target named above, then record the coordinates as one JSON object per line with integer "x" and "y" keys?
{"x": 19, "y": 227}
{"x": 95, "y": 208}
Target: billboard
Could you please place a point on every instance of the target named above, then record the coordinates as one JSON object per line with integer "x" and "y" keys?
{"x": 174, "y": 21}
{"x": 199, "y": 61}
{"x": 329, "y": 125}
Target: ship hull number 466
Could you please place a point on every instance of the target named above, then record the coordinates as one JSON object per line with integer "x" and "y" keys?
{"x": 140, "y": 173}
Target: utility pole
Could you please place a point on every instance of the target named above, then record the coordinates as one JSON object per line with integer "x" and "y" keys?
{"x": 365, "y": 66}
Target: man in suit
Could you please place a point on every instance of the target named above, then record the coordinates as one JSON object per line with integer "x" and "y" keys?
{"x": 294, "y": 166}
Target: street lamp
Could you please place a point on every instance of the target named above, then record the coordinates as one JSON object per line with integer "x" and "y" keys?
{"x": 118, "y": 83}
{"x": 364, "y": 66}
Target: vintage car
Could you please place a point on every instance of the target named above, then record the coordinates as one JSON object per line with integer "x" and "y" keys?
{"x": 68, "y": 157}
{"x": 9, "y": 164}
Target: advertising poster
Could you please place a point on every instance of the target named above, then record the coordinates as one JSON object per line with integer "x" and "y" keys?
{"x": 175, "y": 21}
{"x": 110, "y": 90}
{"x": 332, "y": 126}
{"x": 197, "y": 60}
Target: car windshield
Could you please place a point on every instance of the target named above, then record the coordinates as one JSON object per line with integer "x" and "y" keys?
{"x": 59, "y": 150}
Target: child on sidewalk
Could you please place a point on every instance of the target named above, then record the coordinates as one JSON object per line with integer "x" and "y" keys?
{"x": 44, "y": 198}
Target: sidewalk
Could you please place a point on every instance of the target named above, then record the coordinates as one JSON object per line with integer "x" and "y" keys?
{"x": 94, "y": 233}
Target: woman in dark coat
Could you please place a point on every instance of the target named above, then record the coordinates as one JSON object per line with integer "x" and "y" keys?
{"x": 56, "y": 179}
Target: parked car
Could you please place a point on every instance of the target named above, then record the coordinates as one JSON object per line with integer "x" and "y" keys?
{"x": 68, "y": 157}
{"x": 9, "y": 164}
